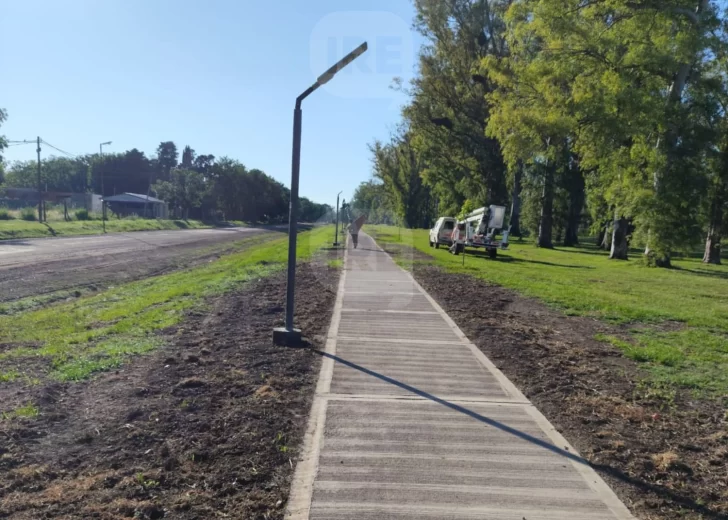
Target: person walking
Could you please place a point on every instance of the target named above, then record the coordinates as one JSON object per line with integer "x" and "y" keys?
{"x": 354, "y": 228}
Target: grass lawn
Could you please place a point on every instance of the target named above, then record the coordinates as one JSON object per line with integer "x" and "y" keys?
{"x": 72, "y": 340}
{"x": 25, "y": 229}
{"x": 583, "y": 281}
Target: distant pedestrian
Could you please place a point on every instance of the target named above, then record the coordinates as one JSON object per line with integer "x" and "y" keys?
{"x": 354, "y": 228}
{"x": 354, "y": 234}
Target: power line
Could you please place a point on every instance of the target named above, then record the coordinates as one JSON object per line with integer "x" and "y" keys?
{"x": 58, "y": 149}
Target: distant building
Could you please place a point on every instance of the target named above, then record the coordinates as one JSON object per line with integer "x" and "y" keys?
{"x": 136, "y": 204}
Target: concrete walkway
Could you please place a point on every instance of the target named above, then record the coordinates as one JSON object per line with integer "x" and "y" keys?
{"x": 412, "y": 421}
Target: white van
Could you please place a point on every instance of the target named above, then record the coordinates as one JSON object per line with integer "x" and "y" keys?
{"x": 441, "y": 232}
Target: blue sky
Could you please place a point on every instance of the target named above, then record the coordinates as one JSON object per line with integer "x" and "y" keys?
{"x": 219, "y": 75}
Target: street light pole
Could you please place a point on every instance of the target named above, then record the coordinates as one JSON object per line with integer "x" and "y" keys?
{"x": 289, "y": 335}
{"x": 336, "y": 233}
{"x": 103, "y": 202}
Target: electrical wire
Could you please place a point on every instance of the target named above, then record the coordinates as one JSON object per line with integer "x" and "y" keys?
{"x": 58, "y": 149}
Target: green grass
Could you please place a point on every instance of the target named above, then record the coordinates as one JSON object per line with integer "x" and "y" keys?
{"x": 99, "y": 332}
{"x": 582, "y": 281}
{"x": 23, "y": 229}
{"x": 28, "y": 410}
{"x": 336, "y": 264}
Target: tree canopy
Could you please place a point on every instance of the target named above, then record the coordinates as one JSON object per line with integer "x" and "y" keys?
{"x": 200, "y": 186}
{"x": 606, "y": 117}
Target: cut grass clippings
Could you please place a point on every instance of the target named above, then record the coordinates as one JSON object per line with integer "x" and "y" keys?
{"x": 582, "y": 281}
{"x": 95, "y": 333}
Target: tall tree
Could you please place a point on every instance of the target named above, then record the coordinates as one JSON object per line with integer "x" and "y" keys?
{"x": 371, "y": 198}
{"x": 167, "y": 158}
{"x": 188, "y": 157}
{"x": 399, "y": 167}
{"x": 203, "y": 163}
{"x": 448, "y": 112}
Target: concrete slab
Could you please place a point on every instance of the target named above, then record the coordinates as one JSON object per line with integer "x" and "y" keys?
{"x": 411, "y": 421}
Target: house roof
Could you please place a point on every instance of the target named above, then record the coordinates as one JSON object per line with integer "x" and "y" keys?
{"x": 134, "y": 198}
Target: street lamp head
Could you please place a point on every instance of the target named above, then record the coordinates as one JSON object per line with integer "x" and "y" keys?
{"x": 343, "y": 62}
{"x": 107, "y": 142}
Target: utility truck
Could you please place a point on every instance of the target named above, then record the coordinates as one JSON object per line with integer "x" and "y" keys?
{"x": 478, "y": 230}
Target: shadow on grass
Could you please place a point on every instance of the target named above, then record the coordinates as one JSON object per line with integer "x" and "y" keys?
{"x": 703, "y": 272}
{"x": 663, "y": 492}
{"x": 50, "y": 229}
{"x": 182, "y": 224}
{"x": 511, "y": 259}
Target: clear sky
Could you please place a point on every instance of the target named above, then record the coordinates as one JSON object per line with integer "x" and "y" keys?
{"x": 219, "y": 75}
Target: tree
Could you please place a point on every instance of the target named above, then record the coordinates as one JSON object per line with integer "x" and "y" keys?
{"x": 130, "y": 171}
{"x": 188, "y": 157}
{"x": 449, "y": 112}
{"x": 183, "y": 192}
{"x": 399, "y": 167}
{"x": 372, "y": 199}
{"x": 58, "y": 174}
{"x": 203, "y": 163}
{"x": 167, "y": 159}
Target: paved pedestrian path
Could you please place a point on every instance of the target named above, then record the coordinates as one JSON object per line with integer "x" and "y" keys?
{"x": 412, "y": 422}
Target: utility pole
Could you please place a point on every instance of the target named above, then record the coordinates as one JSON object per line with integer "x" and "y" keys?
{"x": 40, "y": 193}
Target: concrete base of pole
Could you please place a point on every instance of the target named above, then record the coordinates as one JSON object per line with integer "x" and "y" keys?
{"x": 287, "y": 338}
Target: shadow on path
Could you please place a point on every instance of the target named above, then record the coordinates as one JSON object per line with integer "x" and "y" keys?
{"x": 601, "y": 468}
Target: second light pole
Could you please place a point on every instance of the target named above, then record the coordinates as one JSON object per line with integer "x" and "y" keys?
{"x": 101, "y": 166}
{"x": 289, "y": 335}
{"x": 336, "y": 233}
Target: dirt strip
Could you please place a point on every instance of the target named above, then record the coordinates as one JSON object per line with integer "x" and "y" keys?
{"x": 207, "y": 427}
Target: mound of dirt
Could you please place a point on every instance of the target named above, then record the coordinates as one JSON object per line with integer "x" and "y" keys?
{"x": 207, "y": 427}
{"x": 665, "y": 459}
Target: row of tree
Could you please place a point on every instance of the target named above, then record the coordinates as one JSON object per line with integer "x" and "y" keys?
{"x": 198, "y": 186}
{"x": 609, "y": 115}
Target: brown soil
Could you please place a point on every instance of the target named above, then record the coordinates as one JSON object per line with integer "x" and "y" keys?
{"x": 665, "y": 460}
{"x": 207, "y": 427}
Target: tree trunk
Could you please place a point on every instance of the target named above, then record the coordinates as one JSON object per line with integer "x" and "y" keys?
{"x": 545, "y": 228}
{"x": 576, "y": 204}
{"x": 515, "y": 220}
{"x": 712, "y": 244}
{"x": 620, "y": 246}
{"x": 605, "y": 240}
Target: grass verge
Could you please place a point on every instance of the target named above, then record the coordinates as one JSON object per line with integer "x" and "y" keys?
{"x": 22, "y": 229}
{"x": 676, "y": 320}
{"x": 70, "y": 341}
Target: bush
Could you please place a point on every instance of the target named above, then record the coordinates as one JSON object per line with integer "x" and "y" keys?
{"x": 28, "y": 214}
{"x": 5, "y": 214}
{"x": 82, "y": 214}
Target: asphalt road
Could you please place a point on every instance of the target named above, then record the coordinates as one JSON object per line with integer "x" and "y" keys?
{"x": 45, "y": 265}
